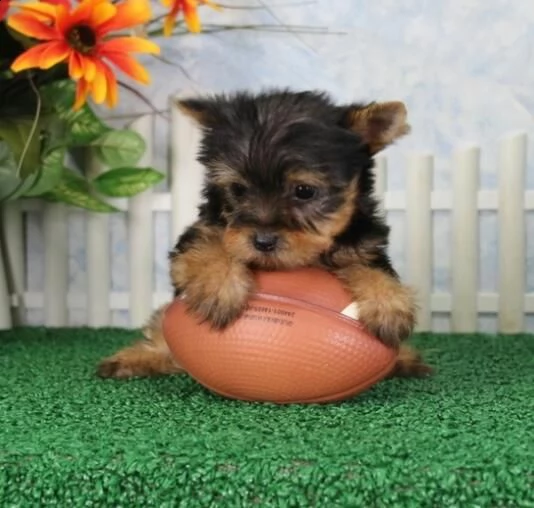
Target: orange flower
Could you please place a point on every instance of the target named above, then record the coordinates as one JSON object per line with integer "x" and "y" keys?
{"x": 4, "y": 6}
{"x": 79, "y": 36}
{"x": 189, "y": 8}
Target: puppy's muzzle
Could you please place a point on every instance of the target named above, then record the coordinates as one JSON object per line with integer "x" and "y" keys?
{"x": 265, "y": 241}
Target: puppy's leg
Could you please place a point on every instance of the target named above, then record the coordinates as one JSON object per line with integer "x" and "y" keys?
{"x": 410, "y": 364}
{"x": 215, "y": 286}
{"x": 387, "y": 309}
{"x": 147, "y": 357}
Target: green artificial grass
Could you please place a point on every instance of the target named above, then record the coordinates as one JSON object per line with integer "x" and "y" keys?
{"x": 464, "y": 438}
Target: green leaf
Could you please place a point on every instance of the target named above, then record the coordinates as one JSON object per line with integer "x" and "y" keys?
{"x": 126, "y": 182}
{"x": 11, "y": 185}
{"x": 83, "y": 125}
{"x": 9, "y": 181}
{"x": 119, "y": 148}
{"x": 14, "y": 190}
{"x": 55, "y": 134}
{"x": 17, "y": 133}
{"x": 50, "y": 174}
{"x": 74, "y": 190}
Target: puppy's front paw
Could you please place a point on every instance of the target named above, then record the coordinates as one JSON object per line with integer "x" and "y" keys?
{"x": 218, "y": 295}
{"x": 391, "y": 319}
{"x": 386, "y": 307}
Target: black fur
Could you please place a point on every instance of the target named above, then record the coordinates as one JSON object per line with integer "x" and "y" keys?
{"x": 259, "y": 139}
{"x": 261, "y": 136}
{"x": 295, "y": 170}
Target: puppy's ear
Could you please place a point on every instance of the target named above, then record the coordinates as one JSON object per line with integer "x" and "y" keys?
{"x": 203, "y": 111}
{"x": 379, "y": 124}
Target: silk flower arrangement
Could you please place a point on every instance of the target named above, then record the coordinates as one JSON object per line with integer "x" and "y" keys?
{"x": 54, "y": 56}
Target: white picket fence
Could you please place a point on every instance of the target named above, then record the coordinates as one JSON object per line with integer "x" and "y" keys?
{"x": 464, "y": 303}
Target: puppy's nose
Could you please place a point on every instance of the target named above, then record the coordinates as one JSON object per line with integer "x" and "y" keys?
{"x": 265, "y": 242}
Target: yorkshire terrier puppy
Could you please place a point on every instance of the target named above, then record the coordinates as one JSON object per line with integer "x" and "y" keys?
{"x": 289, "y": 183}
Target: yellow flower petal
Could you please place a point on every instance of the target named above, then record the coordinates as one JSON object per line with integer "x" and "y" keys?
{"x": 63, "y": 23}
{"x": 81, "y": 67}
{"x": 128, "y": 45}
{"x": 168, "y": 25}
{"x": 102, "y": 13}
{"x": 76, "y": 70}
{"x": 89, "y": 69}
{"x": 39, "y": 10}
{"x": 129, "y": 66}
{"x": 83, "y": 12}
{"x": 99, "y": 87}
{"x": 130, "y": 13}
{"x": 99, "y": 84}
{"x": 30, "y": 26}
{"x": 191, "y": 17}
{"x": 56, "y": 51}
{"x": 29, "y": 59}
{"x": 82, "y": 90}
{"x": 113, "y": 90}
{"x": 211, "y": 4}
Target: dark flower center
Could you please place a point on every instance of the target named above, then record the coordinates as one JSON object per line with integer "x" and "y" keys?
{"x": 82, "y": 38}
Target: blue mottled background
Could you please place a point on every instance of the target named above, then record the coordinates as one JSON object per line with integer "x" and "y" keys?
{"x": 464, "y": 68}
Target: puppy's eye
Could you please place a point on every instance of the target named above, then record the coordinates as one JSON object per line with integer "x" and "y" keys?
{"x": 305, "y": 192}
{"x": 238, "y": 190}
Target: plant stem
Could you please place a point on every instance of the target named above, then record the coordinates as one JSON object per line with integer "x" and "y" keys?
{"x": 215, "y": 28}
{"x": 139, "y": 95}
{"x": 34, "y": 125}
{"x": 261, "y": 7}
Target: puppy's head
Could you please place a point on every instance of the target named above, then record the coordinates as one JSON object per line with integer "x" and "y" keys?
{"x": 284, "y": 170}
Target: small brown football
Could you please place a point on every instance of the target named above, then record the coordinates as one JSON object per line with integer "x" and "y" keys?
{"x": 299, "y": 341}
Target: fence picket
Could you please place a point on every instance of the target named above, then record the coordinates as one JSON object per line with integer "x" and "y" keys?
{"x": 98, "y": 259}
{"x": 56, "y": 264}
{"x": 140, "y": 240}
{"x": 381, "y": 169}
{"x": 419, "y": 235}
{"x": 464, "y": 302}
{"x": 512, "y": 171}
{"x": 5, "y": 297}
{"x": 14, "y": 233}
{"x": 465, "y": 240}
{"x": 186, "y": 172}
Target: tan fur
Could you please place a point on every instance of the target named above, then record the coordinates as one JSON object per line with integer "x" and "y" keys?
{"x": 364, "y": 254}
{"x": 304, "y": 248}
{"x": 147, "y": 357}
{"x": 344, "y": 214}
{"x": 386, "y": 307}
{"x": 199, "y": 116}
{"x": 224, "y": 176}
{"x": 380, "y": 124}
{"x": 297, "y": 248}
{"x": 214, "y": 272}
{"x": 306, "y": 177}
{"x": 410, "y": 364}
{"x": 216, "y": 285}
